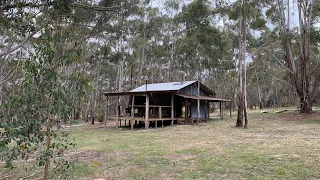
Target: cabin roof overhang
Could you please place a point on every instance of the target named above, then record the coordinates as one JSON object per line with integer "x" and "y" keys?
{"x": 186, "y": 96}
{"x": 136, "y": 93}
{"x": 206, "y": 98}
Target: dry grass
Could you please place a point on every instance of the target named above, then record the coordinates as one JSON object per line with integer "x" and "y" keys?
{"x": 276, "y": 146}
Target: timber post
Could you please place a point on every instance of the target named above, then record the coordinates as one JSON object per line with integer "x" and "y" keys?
{"x": 230, "y": 110}
{"x": 160, "y": 117}
{"x": 172, "y": 109}
{"x": 117, "y": 113}
{"x": 106, "y": 113}
{"x": 208, "y": 109}
{"x": 132, "y": 112}
{"x": 146, "y": 121}
{"x": 198, "y": 104}
{"x": 220, "y": 110}
{"x": 186, "y": 111}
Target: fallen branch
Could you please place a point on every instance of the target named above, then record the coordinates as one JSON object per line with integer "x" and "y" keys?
{"x": 281, "y": 111}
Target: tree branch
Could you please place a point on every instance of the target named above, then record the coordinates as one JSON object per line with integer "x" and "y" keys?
{"x": 7, "y": 7}
{"x": 9, "y": 74}
{"x": 277, "y": 78}
{"x": 19, "y": 45}
{"x": 97, "y": 8}
{"x": 279, "y": 61}
{"x": 4, "y": 58}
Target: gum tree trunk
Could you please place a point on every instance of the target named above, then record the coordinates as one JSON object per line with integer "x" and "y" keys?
{"x": 242, "y": 105}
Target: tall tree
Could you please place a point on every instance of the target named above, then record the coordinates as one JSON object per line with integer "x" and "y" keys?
{"x": 304, "y": 78}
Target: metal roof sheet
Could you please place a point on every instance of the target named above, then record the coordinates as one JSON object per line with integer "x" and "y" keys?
{"x": 171, "y": 86}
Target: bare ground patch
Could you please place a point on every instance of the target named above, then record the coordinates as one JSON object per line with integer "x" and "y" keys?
{"x": 180, "y": 157}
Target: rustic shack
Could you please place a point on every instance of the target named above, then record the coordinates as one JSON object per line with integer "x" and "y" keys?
{"x": 173, "y": 102}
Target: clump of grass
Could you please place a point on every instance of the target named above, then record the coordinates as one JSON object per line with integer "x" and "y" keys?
{"x": 81, "y": 170}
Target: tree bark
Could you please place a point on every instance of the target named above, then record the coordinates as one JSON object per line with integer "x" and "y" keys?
{"x": 240, "y": 111}
{"x": 242, "y": 102}
{"x": 240, "y": 66}
{"x": 92, "y": 108}
{"x": 48, "y": 125}
{"x": 245, "y": 118}
{"x": 1, "y": 93}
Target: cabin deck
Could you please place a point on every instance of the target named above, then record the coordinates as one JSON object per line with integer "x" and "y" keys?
{"x": 143, "y": 119}
{"x": 135, "y": 120}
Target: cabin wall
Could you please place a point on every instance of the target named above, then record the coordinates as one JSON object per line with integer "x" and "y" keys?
{"x": 194, "y": 108}
{"x": 193, "y": 90}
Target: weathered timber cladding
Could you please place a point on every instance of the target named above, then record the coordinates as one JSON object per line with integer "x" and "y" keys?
{"x": 193, "y": 90}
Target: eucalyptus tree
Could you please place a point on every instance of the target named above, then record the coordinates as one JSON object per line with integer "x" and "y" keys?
{"x": 201, "y": 43}
{"x": 249, "y": 16}
{"x": 51, "y": 86}
{"x": 299, "y": 45}
{"x": 44, "y": 97}
{"x": 160, "y": 64}
{"x": 19, "y": 22}
{"x": 171, "y": 34}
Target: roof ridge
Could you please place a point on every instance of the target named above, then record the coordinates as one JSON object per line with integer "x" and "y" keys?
{"x": 169, "y": 82}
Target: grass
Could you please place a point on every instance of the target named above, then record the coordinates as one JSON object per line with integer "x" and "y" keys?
{"x": 81, "y": 170}
{"x": 275, "y": 146}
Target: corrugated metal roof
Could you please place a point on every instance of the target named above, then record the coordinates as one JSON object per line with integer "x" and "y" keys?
{"x": 171, "y": 86}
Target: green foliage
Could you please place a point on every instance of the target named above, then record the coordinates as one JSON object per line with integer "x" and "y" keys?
{"x": 259, "y": 23}
{"x": 202, "y": 42}
{"x": 46, "y": 95}
{"x": 62, "y": 7}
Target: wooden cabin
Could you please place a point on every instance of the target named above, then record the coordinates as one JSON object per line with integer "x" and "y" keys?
{"x": 172, "y": 102}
